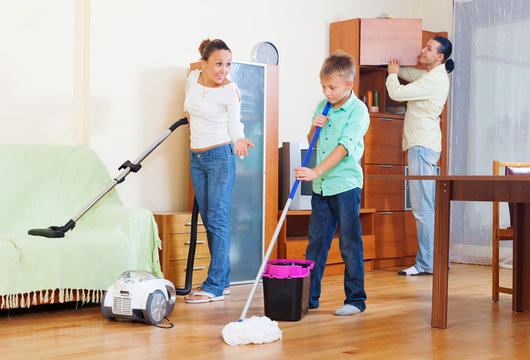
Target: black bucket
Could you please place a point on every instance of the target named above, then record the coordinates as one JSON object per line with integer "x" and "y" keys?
{"x": 286, "y": 289}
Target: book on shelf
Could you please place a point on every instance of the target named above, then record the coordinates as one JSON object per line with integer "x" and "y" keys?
{"x": 400, "y": 110}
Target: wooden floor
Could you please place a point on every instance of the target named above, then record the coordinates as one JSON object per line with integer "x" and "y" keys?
{"x": 396, "y": 325}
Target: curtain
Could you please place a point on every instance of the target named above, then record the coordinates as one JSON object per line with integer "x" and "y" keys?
{"x": 490, "y": 112}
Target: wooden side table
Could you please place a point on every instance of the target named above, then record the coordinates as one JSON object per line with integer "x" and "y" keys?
{"x": 174, "y": 228}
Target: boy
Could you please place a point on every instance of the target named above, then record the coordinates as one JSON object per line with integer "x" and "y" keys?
{"x": 338, "y": 180}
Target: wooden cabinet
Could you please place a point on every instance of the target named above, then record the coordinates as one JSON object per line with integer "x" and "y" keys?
{"x": 383, "y": 195}
{"x": 411, "y": 245}
{"x": 292, "y": 240}
{"x": 174, "y": 230}
{"x": 389, "y": 234}
{"x": 383, "y": 39}
{"x": 383, "y": 140}
{"x": 373, "y": 42}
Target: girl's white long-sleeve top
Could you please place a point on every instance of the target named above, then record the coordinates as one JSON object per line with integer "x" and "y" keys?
{"x": 215, "y": 113}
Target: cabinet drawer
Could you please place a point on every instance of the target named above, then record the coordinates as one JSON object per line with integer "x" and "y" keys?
{"x": 179, "y": 244}
{"x": 369, "y": 247}
{"x": 182, "y": 226}
{"x": 411, "y": 236}
{"x": 384, "y": 39}
{"x": 177, "y": 223}
{"x": 389, "y": 235}
{"x": 296, "y": 249}
{"x": 383, "y": 141}
{"x": 384, "y": 195}
{"x": 177, "y": 271}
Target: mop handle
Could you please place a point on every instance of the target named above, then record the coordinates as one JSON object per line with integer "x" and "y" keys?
{"x": 308, "y": 154}
{"x": 280, "y": 222}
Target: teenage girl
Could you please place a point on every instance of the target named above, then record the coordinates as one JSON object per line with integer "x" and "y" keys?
{"x": 213, "y": 106}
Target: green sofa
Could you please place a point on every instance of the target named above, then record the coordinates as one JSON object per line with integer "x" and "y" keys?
{"x": 44, "y": 185}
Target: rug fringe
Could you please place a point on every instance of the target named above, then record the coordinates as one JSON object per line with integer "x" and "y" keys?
{"x": 48, "y": 296}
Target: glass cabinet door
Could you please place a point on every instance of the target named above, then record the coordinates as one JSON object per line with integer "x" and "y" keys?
{"x": 247, "y": 211}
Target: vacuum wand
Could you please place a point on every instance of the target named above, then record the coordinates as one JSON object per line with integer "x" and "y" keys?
{"x": 127, "y": 167}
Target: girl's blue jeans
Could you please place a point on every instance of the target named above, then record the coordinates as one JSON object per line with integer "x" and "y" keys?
{"x": 212, "y": 175}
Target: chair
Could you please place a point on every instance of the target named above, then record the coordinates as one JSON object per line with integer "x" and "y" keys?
{"x": 500, "y": 234}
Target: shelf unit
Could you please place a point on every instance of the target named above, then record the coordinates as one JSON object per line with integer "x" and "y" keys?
{"x": 292, "y": 240}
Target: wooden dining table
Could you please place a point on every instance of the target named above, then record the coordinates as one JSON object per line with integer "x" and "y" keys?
{"x": 515, "y": 189}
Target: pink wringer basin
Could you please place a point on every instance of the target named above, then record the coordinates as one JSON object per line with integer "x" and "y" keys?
{"x": 288, "y": 269}
{"x": 286, "y": 289}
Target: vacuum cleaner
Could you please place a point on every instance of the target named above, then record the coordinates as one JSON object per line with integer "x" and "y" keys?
{"x": 137, "y": 294}
{"x": 140, "y": 295}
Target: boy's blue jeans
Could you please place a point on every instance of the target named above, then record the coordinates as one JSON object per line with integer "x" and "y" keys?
{"x": 422, "y": 161}
{"x": 212, "y": 175}
{"x": 327, "y": 212}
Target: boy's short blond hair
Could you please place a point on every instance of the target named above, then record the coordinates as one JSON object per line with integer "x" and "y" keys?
{"x": 339, "y": 63}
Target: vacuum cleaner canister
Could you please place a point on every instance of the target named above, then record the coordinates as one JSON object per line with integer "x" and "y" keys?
{"x": 139, "y": 295}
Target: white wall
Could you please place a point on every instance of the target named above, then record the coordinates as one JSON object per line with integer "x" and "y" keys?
{"x": 438, "y": 16}
{"x": 139, "y": 51}
{"x": 37, "y": 71}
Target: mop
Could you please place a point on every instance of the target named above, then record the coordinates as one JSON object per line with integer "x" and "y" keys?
{"x": 261, "y": 330}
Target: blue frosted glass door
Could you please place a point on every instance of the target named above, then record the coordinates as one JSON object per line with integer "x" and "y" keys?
{"x": 247, "y": 207}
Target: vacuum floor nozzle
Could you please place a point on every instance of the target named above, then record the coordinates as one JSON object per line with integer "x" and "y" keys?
{"x": 51, "y": 232}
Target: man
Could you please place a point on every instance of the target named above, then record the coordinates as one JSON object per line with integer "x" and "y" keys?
{"x": 425, "y": 94}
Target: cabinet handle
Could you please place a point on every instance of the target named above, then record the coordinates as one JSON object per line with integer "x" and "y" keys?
{"x": 385, "y": 213}
{"x": 198, "y": 223}
{"x": 198, "y": 242}
{"x": 197, "y": 268}
{"x": 386, "y": 119}
{"x": 385, "y": 166}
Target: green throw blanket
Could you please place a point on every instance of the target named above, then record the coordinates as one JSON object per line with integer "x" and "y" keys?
{"x": 44, "y": 185}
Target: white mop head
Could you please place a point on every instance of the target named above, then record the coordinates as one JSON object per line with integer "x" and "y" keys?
{"x": 256, "y": 330}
